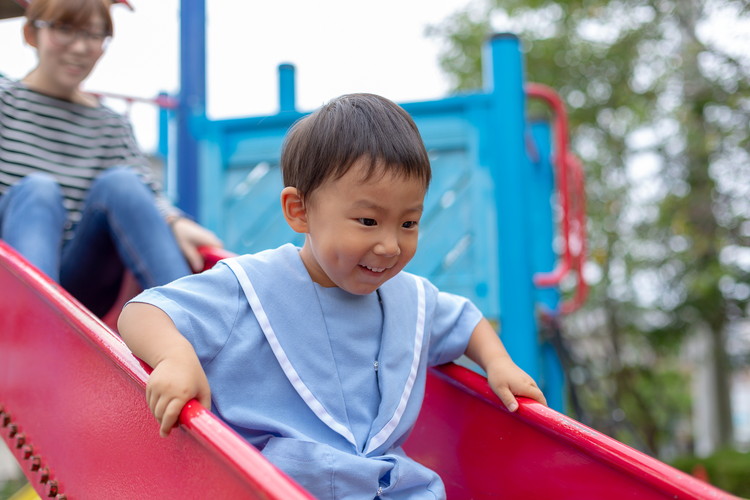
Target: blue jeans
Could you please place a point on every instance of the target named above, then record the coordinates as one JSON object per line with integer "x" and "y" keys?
{"x": 120, "y": 229}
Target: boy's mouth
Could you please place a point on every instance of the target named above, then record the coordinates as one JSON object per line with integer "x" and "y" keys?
{"x": 373, "y": 269}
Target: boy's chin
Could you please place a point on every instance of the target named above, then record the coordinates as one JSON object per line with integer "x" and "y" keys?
{"x": 360, "y": 289}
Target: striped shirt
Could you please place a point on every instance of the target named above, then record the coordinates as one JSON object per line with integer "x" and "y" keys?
{"x": 72, "y": 142}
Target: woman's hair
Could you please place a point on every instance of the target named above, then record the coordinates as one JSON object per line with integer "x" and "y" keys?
{"x": 72, "y": 12}
{"x": 326, "y": 143}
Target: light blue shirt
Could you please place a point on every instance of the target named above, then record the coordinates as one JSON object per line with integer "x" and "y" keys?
{"x": 281, "y": 359}
{"x": 359, "y": 320}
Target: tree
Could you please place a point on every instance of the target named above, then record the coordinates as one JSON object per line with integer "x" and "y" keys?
{"x": 659, "y": 107}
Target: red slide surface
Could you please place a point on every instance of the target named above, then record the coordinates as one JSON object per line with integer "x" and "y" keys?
{"x": 73, "y": 412}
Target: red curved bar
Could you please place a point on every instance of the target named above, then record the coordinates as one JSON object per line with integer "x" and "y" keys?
{"x": 162, "y": 101}
{"x": 566, "y": 165}
{"x": 560, "y": 126}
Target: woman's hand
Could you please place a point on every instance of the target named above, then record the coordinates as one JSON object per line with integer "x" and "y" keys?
{"x": 190, "y": 235}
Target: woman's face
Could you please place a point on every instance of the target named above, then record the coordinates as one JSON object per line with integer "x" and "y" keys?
{"x": 67, "y": 54}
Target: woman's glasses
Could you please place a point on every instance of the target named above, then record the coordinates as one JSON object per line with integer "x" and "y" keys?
{"x": 65, "y": 34}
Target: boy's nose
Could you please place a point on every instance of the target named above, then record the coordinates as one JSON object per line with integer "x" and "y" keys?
{"x": 388, "y": 246}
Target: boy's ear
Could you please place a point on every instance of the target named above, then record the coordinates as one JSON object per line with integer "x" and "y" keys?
{"x": 294, "y": 209}
{"x": 30, "y": 34}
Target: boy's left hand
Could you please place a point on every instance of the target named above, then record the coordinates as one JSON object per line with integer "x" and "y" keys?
{"x": 504, "y": 376}
{"x": 507, "y": 380}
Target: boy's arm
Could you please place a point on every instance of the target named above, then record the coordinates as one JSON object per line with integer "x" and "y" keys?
{"x": 505, "y": 377}
{"x": 177, "y": 376}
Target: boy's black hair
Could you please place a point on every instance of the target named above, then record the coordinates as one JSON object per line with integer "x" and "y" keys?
{"x": 326, "y": 143}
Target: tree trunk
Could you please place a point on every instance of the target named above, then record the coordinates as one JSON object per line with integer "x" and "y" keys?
{"x": 702, "y": 224}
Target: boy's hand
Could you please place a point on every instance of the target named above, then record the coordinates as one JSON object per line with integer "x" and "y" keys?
{"x": 507, "y": 380}
{"x": 178, "y": 375}
{"x": 504, "y": 376}
{"x": 171, "y": 385}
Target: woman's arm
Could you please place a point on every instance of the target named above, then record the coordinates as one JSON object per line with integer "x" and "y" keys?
{"x": 505, "y": 377}
{"x": 177, "y": 375}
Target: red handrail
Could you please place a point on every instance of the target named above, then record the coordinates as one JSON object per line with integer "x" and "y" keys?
{"x": 566, "y": 165}
{"x": 162, "y": 101}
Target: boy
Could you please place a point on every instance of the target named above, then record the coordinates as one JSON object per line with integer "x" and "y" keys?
{"x": 318, "y": 355}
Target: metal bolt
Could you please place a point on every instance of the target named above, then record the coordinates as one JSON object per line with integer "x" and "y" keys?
{"x": 5, "y": 418}
{"x": 61, "y": 496}
{"x": 20, "y": 440}
{"x": 43, "y": 475}
{"x": 36, "y": 463}
{"x": 27, "y": 451}
{"x": 52, "y": 488}
{"x": 12, "y": 430}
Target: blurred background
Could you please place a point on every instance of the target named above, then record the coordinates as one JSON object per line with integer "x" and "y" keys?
{"x": 659, "y": 100}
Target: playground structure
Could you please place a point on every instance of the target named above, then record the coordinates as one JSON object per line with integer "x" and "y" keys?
{"x": 487, "y": 231}
{"x": 72, "y": 406}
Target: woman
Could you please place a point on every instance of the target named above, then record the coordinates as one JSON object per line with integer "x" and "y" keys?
{"x": 76, "y": 196}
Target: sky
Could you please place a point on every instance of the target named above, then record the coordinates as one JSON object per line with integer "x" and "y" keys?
{"x": 337, "y": 47}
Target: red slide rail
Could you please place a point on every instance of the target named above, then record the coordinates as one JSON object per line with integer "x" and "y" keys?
{"x": 73, "y": 412}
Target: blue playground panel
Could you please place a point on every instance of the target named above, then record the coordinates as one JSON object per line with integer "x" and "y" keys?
{"x": 487, "y": 225}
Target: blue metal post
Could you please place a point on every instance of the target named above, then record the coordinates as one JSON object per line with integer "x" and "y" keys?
{"x": 504, "y": 74}
{"x": 287, "y": 88}
{"x": 542, "y": 185}
{"x": 192, "y": 100}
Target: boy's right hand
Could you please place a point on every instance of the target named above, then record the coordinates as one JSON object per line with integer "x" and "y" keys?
{"x": 172, "y": 384}
{"x": 178, "y": 375}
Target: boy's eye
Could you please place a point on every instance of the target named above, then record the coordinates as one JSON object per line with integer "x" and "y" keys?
{"x": 367, "y": 222}
{"x": 409, "y": 224}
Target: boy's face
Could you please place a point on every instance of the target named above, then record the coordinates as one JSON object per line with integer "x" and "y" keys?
{"x": 360, "y": 234}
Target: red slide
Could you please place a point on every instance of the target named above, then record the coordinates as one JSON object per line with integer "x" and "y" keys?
{"x": 73, "y": 412}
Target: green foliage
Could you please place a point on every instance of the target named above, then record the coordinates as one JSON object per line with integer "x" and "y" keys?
{"x": 622, "y": 401}
{"x": 641, "y": 389}
{"x": 658, "y": 113}
{"x": 726, "y": 469}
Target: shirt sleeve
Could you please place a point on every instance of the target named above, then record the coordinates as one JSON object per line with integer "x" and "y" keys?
{"x": 453, "y": 323}
{"x": 204, "y": 308}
